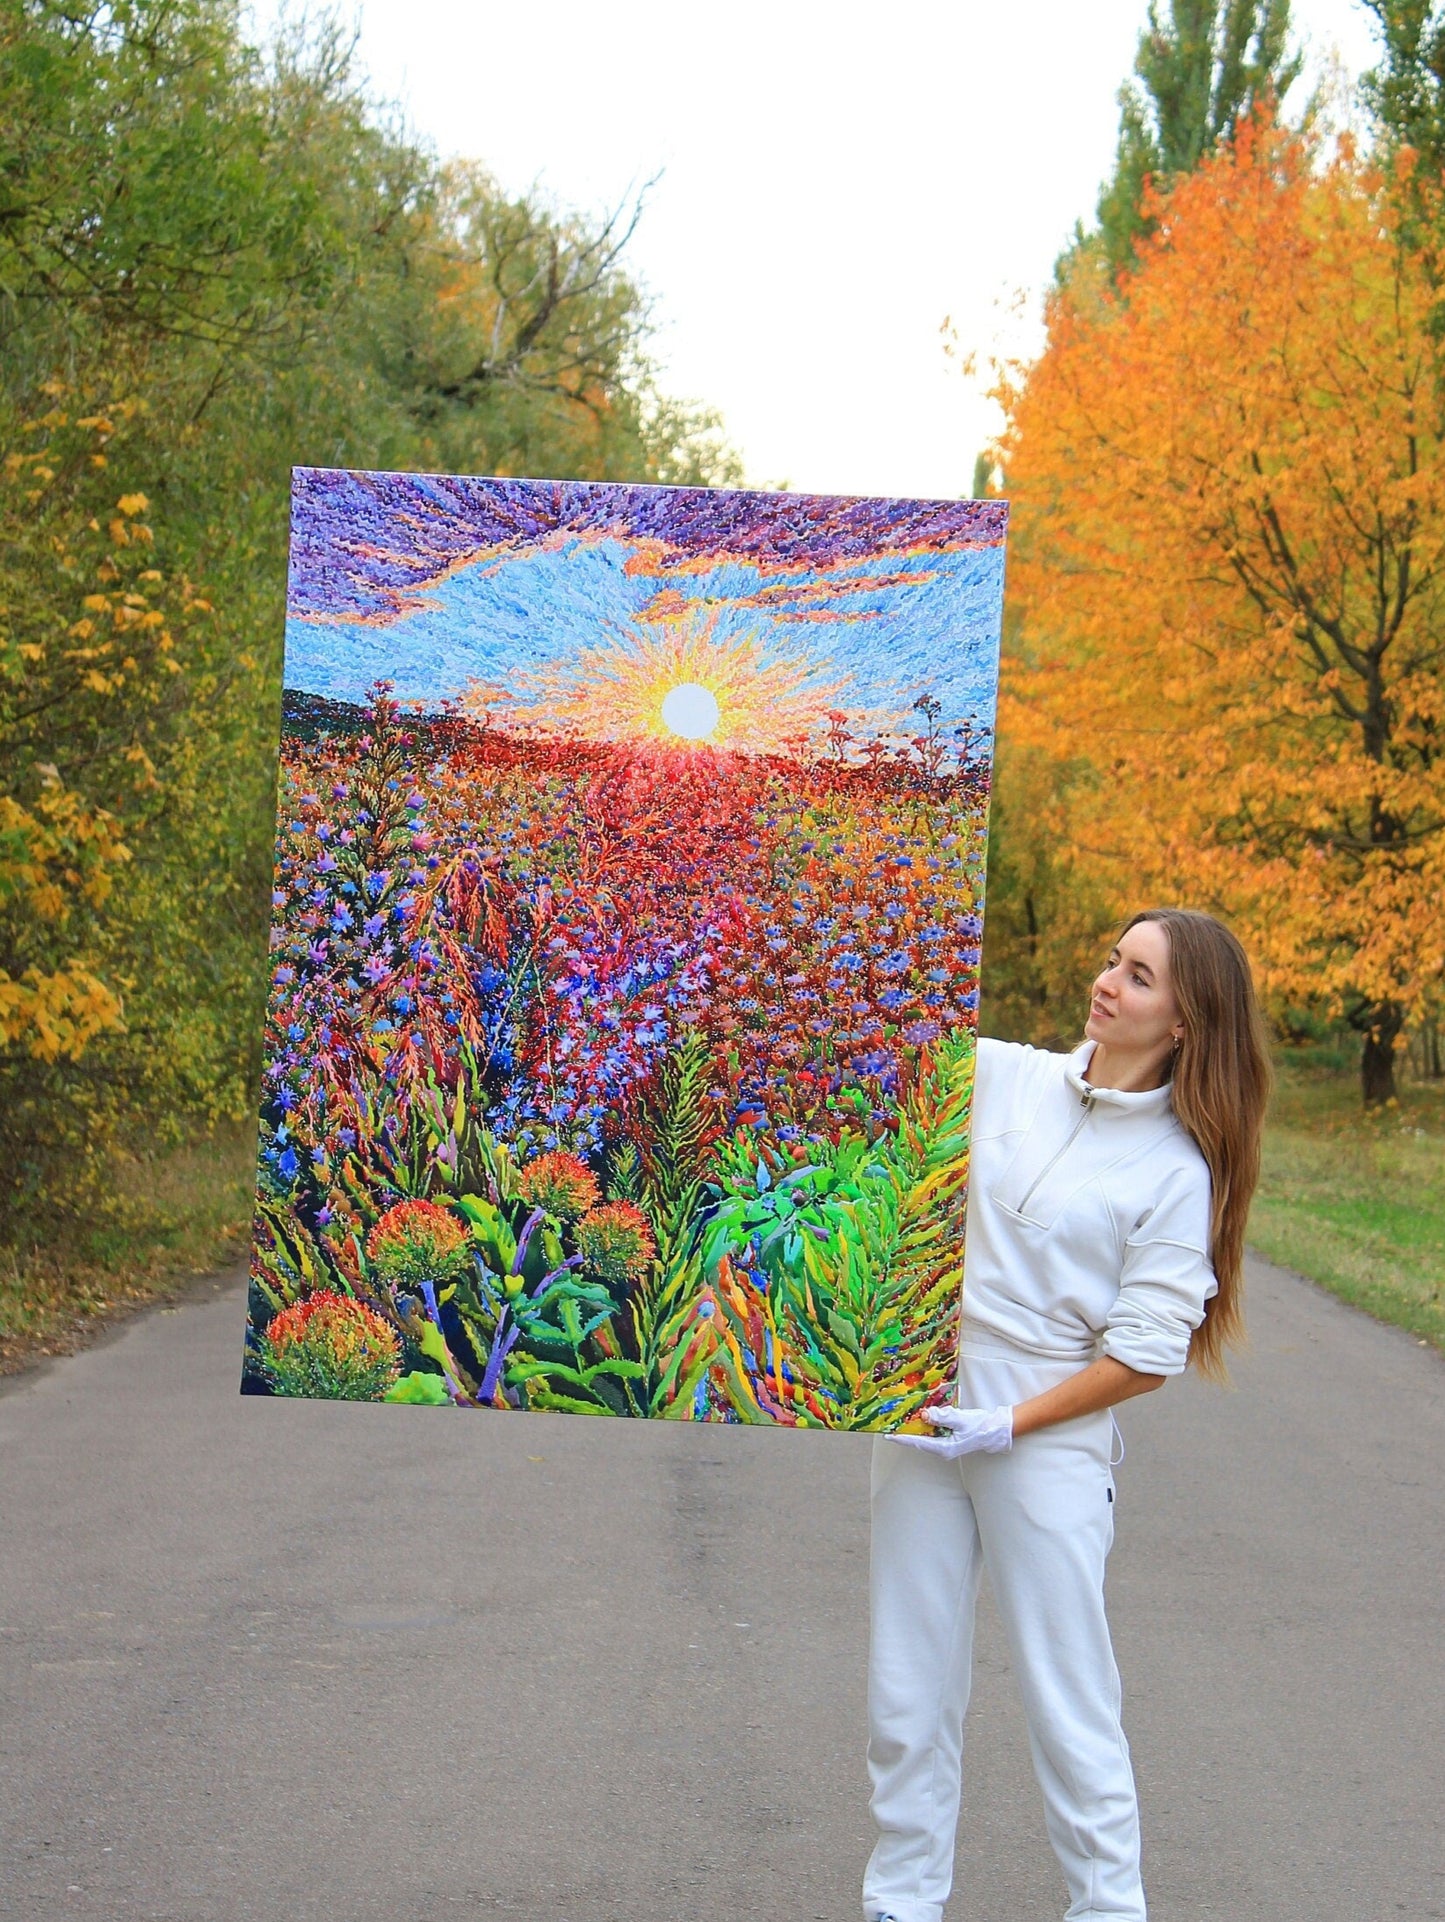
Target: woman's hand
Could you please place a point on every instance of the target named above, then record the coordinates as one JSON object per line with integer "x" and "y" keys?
{"x": 990, "y": 1431}
{"x": 971, "y": 1431}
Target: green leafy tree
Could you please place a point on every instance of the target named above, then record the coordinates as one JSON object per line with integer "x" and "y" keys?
{"x": 1406, "y": 91}
{"x": 230, "y": 257}
{"x": 1196, "y": 73}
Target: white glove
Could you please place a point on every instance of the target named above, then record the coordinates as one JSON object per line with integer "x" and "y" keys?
{"x": 971, "y": 1431}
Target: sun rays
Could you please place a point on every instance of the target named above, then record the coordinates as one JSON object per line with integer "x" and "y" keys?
{"x": 680, "y": 681}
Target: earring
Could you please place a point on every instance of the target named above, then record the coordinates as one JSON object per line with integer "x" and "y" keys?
{"x": 1178, "y": 1043}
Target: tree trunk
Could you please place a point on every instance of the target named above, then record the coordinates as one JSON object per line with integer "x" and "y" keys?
{"x": 1377, "y": 1060}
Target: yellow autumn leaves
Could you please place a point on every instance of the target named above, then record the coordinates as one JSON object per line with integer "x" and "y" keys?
{"x": 61, "y": 850}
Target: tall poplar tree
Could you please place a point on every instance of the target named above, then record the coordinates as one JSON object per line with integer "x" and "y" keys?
{"x": 1195, "y": 74}
{"x": 1406, "y": 91}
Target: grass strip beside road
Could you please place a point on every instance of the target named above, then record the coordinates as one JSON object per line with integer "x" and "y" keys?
{"x": 1356, "y": 1200}
{"x": 167, "y": 1220}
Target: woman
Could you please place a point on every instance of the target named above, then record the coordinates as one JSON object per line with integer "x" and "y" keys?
{"x": 1105, "y": 1238}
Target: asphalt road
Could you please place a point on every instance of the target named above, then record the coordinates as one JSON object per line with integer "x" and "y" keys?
{"x": 264, "y": 1660}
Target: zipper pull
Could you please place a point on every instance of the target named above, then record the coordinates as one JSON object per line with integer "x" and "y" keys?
{"x": 1087, "y": 1098}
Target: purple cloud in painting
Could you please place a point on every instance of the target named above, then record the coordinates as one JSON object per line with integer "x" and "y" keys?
{"x": 367, "y": 547}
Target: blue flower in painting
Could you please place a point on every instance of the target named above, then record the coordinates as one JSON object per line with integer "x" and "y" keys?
{"x": 288, "y": 1165}
{"x": 287, "y": 1099}
{"x": 347, "y": 1137}
{"x": 373, "y": 925}
{"x": 899, "y": 962}
{"x": 936, "y": 974}
{"x": 969, "y": 1000}
{"x": 892, "y": 998}
{"x": 874, "y": 1062}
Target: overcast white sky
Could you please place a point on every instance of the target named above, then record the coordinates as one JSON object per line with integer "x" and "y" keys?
{"x": 835, "y": 181}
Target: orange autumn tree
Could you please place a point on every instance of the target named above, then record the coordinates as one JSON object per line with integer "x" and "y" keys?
{"x": 1227, "y": 578}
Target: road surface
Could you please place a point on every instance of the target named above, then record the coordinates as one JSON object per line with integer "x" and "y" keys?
{"x": 265, "y": 1661}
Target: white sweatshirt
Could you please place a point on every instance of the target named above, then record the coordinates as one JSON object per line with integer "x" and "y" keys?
{"x": 1088, "y": 1215}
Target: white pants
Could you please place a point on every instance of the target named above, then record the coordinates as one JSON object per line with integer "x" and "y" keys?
{"x": 1040, "y": 1518}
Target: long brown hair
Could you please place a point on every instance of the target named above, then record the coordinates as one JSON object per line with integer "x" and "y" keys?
{"x": 1219, "y": 1086}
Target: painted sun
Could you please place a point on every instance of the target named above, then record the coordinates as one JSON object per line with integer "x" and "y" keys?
{"x": 679, "y": 682}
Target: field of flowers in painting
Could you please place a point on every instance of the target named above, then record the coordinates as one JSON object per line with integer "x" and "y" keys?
{"x": 626, "y": 1076}
{"x": 628, "y": 1082}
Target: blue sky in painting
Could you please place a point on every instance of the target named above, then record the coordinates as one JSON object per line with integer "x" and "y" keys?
{"x": 936, "y": 633}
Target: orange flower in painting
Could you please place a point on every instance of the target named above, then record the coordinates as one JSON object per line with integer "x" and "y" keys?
{"x": 332, "y": 1347}
{"x": 561, "y": 1183}
{"x": 418, "y": 1241}
{"x": 616, "y": 1242}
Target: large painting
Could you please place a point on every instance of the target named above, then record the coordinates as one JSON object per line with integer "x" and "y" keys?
{"x": 625, "y": 950}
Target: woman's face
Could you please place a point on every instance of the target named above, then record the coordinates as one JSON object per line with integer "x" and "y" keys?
{"x": 1133, "y": 1007}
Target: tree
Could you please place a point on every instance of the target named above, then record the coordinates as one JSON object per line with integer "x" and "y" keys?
{"x": 1407, "y": 90}
{"x": 1213, "y": 61}
{"x": 1229, "y": 489}
{"x": 230, "y": 258}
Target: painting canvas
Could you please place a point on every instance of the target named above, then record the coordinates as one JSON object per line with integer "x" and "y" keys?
{"x": 628, "y": 911}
